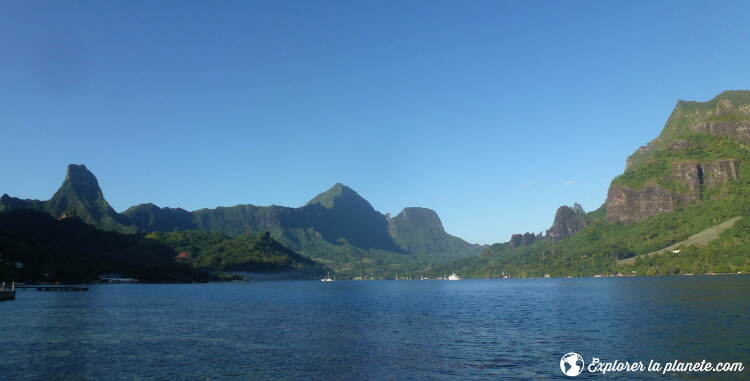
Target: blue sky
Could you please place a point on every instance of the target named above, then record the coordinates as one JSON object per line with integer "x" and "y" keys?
{"x": 491, "y": 113}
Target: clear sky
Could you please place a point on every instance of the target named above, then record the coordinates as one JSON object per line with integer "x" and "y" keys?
{"x": 491, "y": 113}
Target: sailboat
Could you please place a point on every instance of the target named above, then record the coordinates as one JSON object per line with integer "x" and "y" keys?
{"x": 327, "y": 278}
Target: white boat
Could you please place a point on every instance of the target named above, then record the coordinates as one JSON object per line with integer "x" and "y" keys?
{"x": 327, "y": 278}
{"x": 454, "y": 277}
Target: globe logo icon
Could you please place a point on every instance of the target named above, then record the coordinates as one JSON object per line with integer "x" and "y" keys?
{"x": 571, "y": 364}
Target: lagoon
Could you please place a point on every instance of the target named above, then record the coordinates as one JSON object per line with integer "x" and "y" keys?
{"x": 468, "y": 329}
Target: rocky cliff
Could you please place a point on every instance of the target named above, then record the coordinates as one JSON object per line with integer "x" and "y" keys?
{"x": 695, "y": 156}
{"x": 630, "y": 205}
{"x": 518, "y": 240}
{"x": 568, "y": 221}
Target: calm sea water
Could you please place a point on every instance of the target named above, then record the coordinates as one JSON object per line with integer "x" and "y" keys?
{"x": 469, "y": 329}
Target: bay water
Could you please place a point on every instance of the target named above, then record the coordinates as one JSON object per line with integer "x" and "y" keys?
{"x": 434, "y": 329}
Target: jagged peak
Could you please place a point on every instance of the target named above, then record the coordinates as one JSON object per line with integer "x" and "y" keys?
{"x": 577, "y": 208}
{"x": 81, "y": 192}
{"x": 82, "y": 181}
{"x": 81, "y": 175}
{"x": 568, "y": 221}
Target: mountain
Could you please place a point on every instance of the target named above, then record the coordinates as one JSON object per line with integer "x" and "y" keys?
{"x": 695, "y": 157}
{"x": 694, "y": 176}
{"x": 79, "y": 192}
{"x": 340, "y": 215}
{"x": 420, "y": 230}
{"x": 337, "y": 227}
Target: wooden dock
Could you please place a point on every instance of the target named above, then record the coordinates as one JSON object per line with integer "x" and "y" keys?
{"x": 52, "y": 288}
{"x": 8, "y": 294}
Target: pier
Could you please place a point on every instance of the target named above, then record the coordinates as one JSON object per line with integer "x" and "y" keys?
{"x": 52, "y": 288}
{"x": 8, "y": 294}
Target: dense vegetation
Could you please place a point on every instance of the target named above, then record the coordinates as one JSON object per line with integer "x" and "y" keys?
{"x": 728, "y": 254}
{"x": 72, "y": 251}
{"x": 700, "y": 148}
{"x": 35, "y": 247}
{"x": 595, "y": 249}
{"x": 257, "y": 253}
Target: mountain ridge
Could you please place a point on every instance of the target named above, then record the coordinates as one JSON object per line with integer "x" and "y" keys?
{"x": 337, "y": 227}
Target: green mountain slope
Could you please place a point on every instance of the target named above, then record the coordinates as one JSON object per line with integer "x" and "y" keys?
{"x": 692, "y": 177}
{"x": 702, "y": 149}
{"x": 701, "y": 238}
{"x": 249, "y": 252}
{"x": 419, "y": 230}
{"x": 340, "y": 215}
{"x": 149, "y": 217}
{"x": 730, "y": 253}
{"x": 596, "y": 249}
{"x": 727, "y": 108}
{"x": 70, "y": 250}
